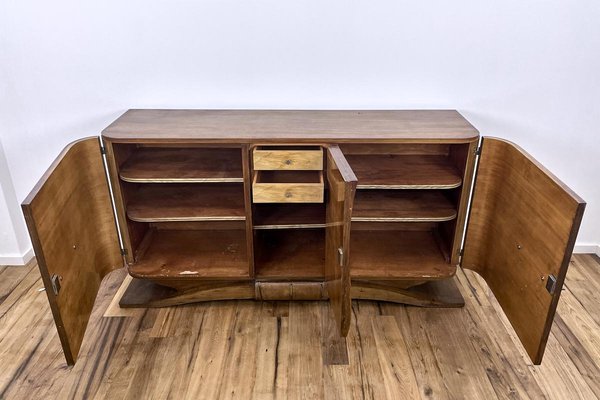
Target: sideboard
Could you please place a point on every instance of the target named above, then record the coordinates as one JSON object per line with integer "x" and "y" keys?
{"x": 301, "y": 205}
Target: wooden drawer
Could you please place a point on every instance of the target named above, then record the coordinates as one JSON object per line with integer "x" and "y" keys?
{"x": 288, "y": 158}
{"x": 287, "y": 187}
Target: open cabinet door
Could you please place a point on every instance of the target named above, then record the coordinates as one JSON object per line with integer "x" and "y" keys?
{"x": 71, "y": 223}
{"x": 520, "y": 236}
{"x": 341, "y": 183}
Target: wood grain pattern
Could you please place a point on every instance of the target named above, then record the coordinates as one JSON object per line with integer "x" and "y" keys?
{"x": 397, "y": 255}
{"x": 277, "y": 126}
{"x": 341, "y": 182}
{"x": 390, "y": 171}
{"x": 71, "y": 197}
{"x": 394, "y": 359}
{"x": 72, "y": 226}
{"x": 265, "y": 158}
{"x": 198, "y": 351}
{"x": 187, "y": 202}
{"x": 167, "y": 165}
{"x": 334, "y": 350}
{"x": 288, "y": 187}
{"x": 193, "y": 254}
{"x": 522, "y": 229}
{"x": 402, "y": 206}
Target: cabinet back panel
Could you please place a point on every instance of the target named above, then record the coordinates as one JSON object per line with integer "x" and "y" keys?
{"x": 393, "y": 148}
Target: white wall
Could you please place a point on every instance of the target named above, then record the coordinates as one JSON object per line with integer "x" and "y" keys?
{"x": 522, "y": 70}
{"x": 9, "y": 247}
{"x": 15, "y": 248}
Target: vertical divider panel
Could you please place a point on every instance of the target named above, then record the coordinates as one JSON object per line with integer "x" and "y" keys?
{"x": 248, "y": 205}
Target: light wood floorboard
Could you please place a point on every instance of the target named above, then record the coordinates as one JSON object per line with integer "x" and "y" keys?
{"x": 281, "y": 350}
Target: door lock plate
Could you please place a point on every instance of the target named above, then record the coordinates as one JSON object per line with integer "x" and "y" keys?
{"x": 341, "y": 256}
{"x": 55, "y": 281}
{"x": 551, "y": 284}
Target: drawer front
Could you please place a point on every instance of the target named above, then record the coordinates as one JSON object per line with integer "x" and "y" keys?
{"x": 287, "y": 193}
{"x": 265, "y": 159}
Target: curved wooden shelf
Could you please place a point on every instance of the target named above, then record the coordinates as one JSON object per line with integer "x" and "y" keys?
{"x": 392, "y": 171}
{"x": 289, "y": 216}
{"x": 183, "y": 165}
{"x": 208, "y": 202}
{"x": 402, "y": 255}
{"x": 402, "y": 206}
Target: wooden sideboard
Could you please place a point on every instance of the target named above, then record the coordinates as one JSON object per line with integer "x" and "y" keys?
{"x": 301, "y": 205}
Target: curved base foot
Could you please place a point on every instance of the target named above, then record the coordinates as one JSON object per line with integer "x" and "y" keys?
{"x": 442, "y": 293}
{"x": 145, "y": 293}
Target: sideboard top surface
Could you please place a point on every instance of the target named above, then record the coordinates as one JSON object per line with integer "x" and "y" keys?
{"x": 237, "y": 126}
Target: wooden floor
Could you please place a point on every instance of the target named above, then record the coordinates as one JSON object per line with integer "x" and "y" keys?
{"x": 243, "y": 349}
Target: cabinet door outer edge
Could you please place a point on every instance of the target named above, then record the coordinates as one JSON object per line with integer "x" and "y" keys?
{"x": 521, "y": 231}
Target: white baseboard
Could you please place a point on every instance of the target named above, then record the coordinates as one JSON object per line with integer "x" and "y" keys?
{"x": 15, "y": 259}
{"x": 587, "y": 249}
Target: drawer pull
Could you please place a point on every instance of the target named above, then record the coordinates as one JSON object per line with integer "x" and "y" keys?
{"x": 288, "y": 194}
{"x": 288, "y": 162}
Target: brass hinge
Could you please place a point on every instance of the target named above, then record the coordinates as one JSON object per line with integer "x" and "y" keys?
{"x": 123, "y": 252}
{"x": 55, "y": 282}
{"x": 551, "y": 284}
{"x": 478, "y": 151}
{"x": 102, "y": 149}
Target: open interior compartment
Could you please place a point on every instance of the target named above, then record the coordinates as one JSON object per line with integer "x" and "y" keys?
{"x": 403, "y": 166}
{"x": 193, "y": 250}
{"x": 276, "y": 176}
{"x": 289, "y": 216}
{"x": 185, "y": 211}
{"x": 406, "y": 207}
{"x": 150, "y": 164}
{"x": 404, "y": 219}
{"x": 373, "y": 205}
{"x": 289, "y": 254}
{"x": 398, "y": 251}
{"x": 185, "y": 202}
